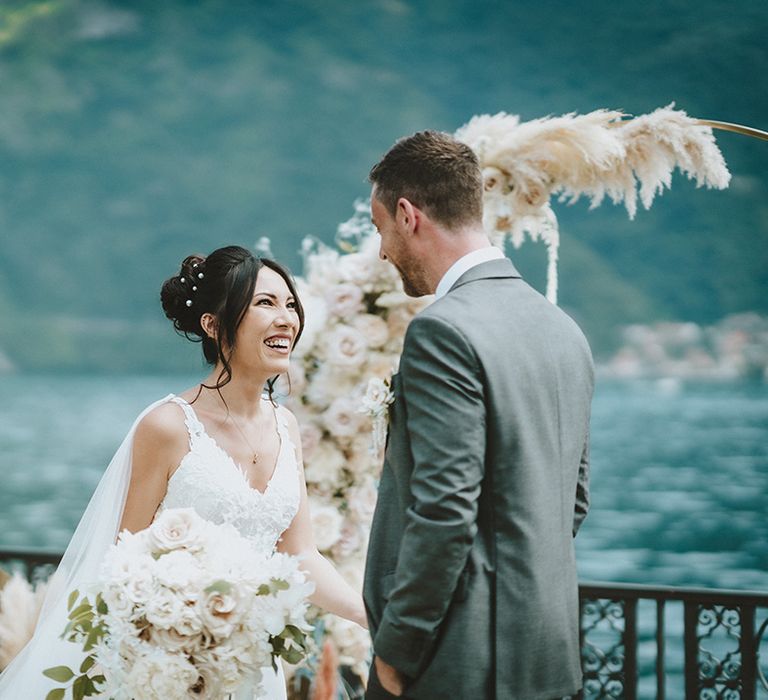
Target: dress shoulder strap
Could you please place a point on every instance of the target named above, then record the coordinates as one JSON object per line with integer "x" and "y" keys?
{"x": 281, "y": 416}
{"x": 194, "y": 426}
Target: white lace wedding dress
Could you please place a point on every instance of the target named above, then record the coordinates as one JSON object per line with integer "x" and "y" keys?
{"x": 209, "y": 481}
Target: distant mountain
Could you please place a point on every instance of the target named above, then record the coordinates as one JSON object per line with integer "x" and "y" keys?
{"x": 133, "y": 133}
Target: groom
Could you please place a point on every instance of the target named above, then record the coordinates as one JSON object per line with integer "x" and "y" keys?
{"x": 470, "y": 582}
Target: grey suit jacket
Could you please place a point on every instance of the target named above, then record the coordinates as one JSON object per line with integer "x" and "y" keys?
{"x": 470, "y": 581}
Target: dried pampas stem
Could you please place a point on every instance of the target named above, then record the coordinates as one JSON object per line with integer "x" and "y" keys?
{"x": 599, "y": 154}
{"x": 736, "y": 128}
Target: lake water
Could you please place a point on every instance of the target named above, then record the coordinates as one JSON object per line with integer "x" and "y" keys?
{"x": 679, "y": 479}
{"x": 679, "y": 474}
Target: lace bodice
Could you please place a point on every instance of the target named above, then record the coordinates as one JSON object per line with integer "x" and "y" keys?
{"x": 210, "y": 481}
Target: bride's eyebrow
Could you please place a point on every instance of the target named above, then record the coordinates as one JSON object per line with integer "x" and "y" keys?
{"x": 272, "y": 295}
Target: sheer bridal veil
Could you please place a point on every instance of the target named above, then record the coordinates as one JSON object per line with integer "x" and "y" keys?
{"x": 79, "y": 568}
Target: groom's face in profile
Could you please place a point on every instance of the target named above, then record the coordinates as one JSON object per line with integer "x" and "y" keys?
{"x": 393, "y": 248}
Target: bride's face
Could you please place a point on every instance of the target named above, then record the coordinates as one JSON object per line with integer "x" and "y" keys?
{"x": 268, "y": 330}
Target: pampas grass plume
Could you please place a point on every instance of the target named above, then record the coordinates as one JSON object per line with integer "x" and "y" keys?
{"x": 19, "y": 609}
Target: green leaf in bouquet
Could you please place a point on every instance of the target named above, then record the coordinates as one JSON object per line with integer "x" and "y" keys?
{"x": 274, "y": 585}
{"x": 79, "y": 687}
{"x": 294, "y": 633}
{"x": 98, "y": 680}
{"x": 219, "y": 587}
{"x": 80, "y": 610}
{"x": 56, "y": 694}
{"x": 72, "y": 599}
{"x": 293, "y": 655}
{"x": 60, "y": 674}
{"x": 93, "y": 637}
{"x": 101, "y": 606}
{"x": 87, "y": 663}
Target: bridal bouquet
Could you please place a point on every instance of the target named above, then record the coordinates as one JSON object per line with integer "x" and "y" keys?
{"x": 184, "y": 609}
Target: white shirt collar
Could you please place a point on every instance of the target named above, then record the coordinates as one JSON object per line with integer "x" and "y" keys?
{"x": 464, "y": 263}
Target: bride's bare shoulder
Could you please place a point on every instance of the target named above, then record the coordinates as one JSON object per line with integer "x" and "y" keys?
{"x": 164, "y": 424}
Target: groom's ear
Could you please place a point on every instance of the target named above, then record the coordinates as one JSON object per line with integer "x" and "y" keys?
{"x": 407, "y": 216}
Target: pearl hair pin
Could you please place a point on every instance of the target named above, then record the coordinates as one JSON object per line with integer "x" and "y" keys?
{"x": 189, "y": 302}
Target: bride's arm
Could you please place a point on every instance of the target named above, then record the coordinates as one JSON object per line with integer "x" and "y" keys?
{"x": 159, "y": 444}
{"x": 332, "y": 592}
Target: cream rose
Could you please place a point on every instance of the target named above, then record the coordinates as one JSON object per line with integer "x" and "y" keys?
{"x": 374, "y": 329}
{"x": 325, "y": 465}
{"x": 346, "y": 347}
{"x": 179, "y": 571}
{"x": 176, "y": 528}
{"x": 311, "y": 436}
{"x": 344, "y": 300}
{"x": 326, "y": 525}
{"x": 164, "y": 609}
{"x": 220, "y": 609}
{"x": 362, "y": 500}
{"x": 343, "y": 419}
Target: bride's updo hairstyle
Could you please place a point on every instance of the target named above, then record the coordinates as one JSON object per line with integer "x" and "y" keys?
{"x": 221, "y": 284}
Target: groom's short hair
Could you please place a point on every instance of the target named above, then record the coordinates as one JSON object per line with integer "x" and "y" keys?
{"x": 436, "y": 173}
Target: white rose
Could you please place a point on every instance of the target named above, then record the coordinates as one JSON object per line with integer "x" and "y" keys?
{"x": 326, "y": 525}
{"x": 164, "y": 609}
{"x": 221, "y": 610}
{"x": 353, "y": 641}
{"x": 178, "y": 570}
{"x": 361, "y": 461}
{"x": 157, "y": 674}
{"x": 390, "y": 300}
{"x": 311, "y": 436}
{"x": 358, "y": 268}
{"x": 362, "y": 500}
{"x": 176, "y": 528}
{"x": 325, "y": 465}
{"x": 119, "y": 602}
{"x": 346, "y": 347}
{"x": 353, "y": 570}
{"x": 173, "y": 641}
{"x": 373, "y": 327}
{"x": 140, "y": 587}
{"x": 397, "y": 322}
{"x": 321, "y": 262}
{"x": 342, "y": 419}
{"x": 323, "y": 386}
{"x": 349, "y": 541}
{"x": 188, "y": 622}
{"x": 344, "y": 300}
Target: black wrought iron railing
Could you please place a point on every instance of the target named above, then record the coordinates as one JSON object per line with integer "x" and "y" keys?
{"x": 637, "y": 641}
{"x": 669, "y": 642}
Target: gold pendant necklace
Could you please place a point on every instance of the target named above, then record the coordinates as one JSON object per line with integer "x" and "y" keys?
{"x": 256, "y": 454}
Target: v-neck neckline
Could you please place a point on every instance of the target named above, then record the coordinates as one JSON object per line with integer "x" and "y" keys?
{"x": 237, "y": 466}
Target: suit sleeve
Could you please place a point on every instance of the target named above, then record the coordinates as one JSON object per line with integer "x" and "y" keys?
{"x": 582, "y": 489}
{"x": 444, "y": 400}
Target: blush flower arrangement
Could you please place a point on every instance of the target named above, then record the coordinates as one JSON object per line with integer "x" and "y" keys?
{"x": 184, "y": 609}
{"x": 356, "y": 316}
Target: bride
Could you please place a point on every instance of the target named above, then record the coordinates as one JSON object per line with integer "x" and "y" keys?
{"x": 222, "y": 448}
